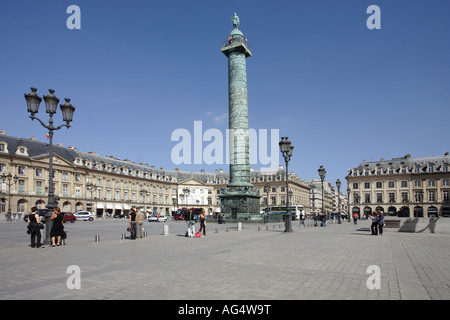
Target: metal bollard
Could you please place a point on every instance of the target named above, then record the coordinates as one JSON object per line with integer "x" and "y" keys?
{"x": 97, "y": 238}
{"x": 123, "y": 236}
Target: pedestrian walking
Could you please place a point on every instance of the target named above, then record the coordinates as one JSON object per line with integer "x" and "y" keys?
{"x": 202, "y": 222}
{"x": 34, "y": 228}
{"x": 57, "y": 233}
{"x": 380, "y": 222}
{"x": 139, "y": 223}
{"x": 132, "y": 224}
{"x": 189, "y": 218}
{"x": 374, "y": 225}
{"x": 355, "y": 218}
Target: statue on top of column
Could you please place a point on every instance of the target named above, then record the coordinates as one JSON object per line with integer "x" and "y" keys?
{"x": 235, "y": 20}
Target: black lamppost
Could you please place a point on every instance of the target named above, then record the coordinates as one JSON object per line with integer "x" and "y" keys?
{"x": 338, "y": 185}
{"x": 267, "y": 191}
{"x": 322, "y": 173}
{"x": 174, "y": 202}
{"x": 91, "y": 187}
{"x": 7, "y": 179}
{"x": 51, "y": 104}
{"x": 186, "y": 192}
{"x": 286, "y": 150}
{"x": 348, "y": 203}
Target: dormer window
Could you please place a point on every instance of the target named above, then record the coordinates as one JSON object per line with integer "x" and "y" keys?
{"x": 430, "y": 168}
{"x": 21, "y": 150}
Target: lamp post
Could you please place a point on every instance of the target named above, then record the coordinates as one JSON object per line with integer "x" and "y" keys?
{"x": 7, "y": 179}
{"x": 267, "y": 191}
{"x": 322, "y": 173}
{"x": 348, "y": 203}
{"x": 51, "y": 104}
{"x": 186, "y": 192}
{"x": 90, "y": 187}
{"x": 174, "y": 202}
{"x": 286, "y": 150}
{"x": 338, "y": 185}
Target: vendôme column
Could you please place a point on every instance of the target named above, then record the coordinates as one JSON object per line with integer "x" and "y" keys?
{"x": 239, "y": 200}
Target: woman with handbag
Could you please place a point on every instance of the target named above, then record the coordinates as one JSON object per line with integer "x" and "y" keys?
{"x": 34, "y": 228}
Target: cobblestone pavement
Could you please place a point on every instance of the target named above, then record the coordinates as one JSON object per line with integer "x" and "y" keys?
{"x": 311, "y": 263}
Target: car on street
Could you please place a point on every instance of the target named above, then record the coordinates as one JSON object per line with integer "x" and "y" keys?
{"x": 68, "y": 216}
{"x": 41, "y": 213}
{"x": 155, "y": 218}
{"x": 84, "y": 215}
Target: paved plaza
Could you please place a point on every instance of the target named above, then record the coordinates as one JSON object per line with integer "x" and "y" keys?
{"x": 259, "y": 262}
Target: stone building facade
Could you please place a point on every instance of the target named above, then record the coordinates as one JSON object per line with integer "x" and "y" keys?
{"x": 405, "y": 187}
{"x": 88, "y": 181}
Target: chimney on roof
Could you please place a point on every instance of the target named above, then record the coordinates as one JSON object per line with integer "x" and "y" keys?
{"x": 59, "y": 144}
{"x": 2, "y": 131}
{"x": 71, "y": 148}
{"x": 92, "y": 152}
{"x": 33, "y": 139}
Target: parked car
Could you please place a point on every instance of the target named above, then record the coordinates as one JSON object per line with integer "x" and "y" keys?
{"x": 155, "y": 218}
{"x": 84, "y": 215}
{"x": 68, "y": 216}
{"x": 41, "y": 213}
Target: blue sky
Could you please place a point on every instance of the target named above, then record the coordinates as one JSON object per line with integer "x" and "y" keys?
{"x": 138, "y": 70}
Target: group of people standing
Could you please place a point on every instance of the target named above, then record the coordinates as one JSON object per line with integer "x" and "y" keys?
{"x": 57, "y": 233}
{"x": 191, "y": 219}
{"x": 377, "y": 225}
{"x": 136, "y": 220}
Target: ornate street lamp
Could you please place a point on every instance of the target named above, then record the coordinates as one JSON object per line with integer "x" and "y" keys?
{"x": 51, "y": 104}
{"x": 286, "y": 150}
{"x": 6, "y": 178}
{"x": 338, "y": 185}
{"x": 186, "y": 192}
{"x": 322, "y": 173}
{"x": 267, "y": 191}
{"x": 91, "y": 187}
{"x": 348, "y": 204}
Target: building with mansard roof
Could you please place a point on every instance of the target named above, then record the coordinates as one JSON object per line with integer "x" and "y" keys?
{"x": 405, "y": 186}
{"x": 105, "y": 184}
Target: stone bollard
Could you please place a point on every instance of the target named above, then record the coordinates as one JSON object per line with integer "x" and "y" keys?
{"x": 239, "y": 226}
{"x": 217, "y": 230}
{"x": 123, "y": 236}
{"x": 166, "y": 230}
{"x": 97, "y": 238}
